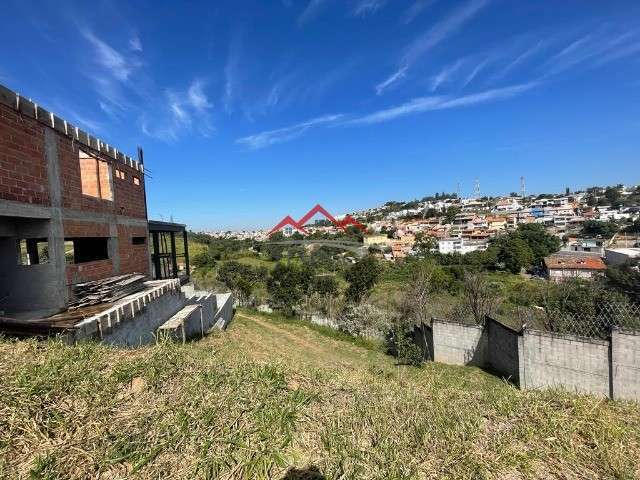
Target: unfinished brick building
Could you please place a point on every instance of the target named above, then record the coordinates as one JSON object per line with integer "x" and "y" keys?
{"x": 72, "y": 209}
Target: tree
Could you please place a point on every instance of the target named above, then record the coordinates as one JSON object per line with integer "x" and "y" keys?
{"x": 613, "y": 195}
{"x": 362, "y": 276}
{"x": 241, "y": 279}
{"x": 515, "y": 254}
{"x": 625, "y": 278}
{"x": 596, "y": 228}
{"x": 634, "y": 227}
{"x": 541, "y": 243}
{"x": 324, "y": 285}
{"x": 424, "y": 244}
{"x": 203, "y": 260}
{"x": 450, "y": 214}
{"x": 287, "y": 284}
{"x": 479, "y": 298}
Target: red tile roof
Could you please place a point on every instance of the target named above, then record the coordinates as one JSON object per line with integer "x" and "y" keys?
{"x": 574, "y": 262}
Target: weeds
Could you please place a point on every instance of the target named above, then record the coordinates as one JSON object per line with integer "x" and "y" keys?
{"x": 252, "y": 403}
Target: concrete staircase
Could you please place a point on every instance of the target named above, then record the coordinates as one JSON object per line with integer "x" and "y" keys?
{"x": 202, "y": 312}
{"x": 164, "y": 308}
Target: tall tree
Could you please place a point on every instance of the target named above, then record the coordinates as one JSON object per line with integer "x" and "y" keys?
{"x": 362, "y": 276}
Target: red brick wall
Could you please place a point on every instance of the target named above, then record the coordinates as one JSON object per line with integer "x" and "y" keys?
{"x": 23, "y": 170}
{"x": 133, "y": 258}
{"x": 24, "y": 178}
{"x": 128, "y": 199}
{"x": 85, "y": 272}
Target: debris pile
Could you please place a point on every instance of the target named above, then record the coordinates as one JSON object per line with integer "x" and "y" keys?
{"x": 107, "y": 290}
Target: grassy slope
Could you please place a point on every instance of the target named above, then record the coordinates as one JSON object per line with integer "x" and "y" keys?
{"x": 267, "y": 396}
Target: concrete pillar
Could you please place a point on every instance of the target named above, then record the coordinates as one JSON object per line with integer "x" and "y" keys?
{"x": 56, "y": 228}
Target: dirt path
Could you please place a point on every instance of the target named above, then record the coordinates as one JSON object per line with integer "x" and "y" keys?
{"x": 283, "y": 332}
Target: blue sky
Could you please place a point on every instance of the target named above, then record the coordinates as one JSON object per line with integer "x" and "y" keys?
{"x": 250, "y": 110}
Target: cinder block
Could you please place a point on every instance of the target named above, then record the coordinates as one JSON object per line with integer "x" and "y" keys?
{"x": 7, "y": 97}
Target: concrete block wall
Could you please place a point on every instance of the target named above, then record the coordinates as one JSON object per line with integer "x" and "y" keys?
{"x": 224, "y": 314}
{"x": 535, "y": 359}
{"x": 135, "y": 320}
{"x": 625, "y": 364}
{"x": 503, "y": 349}
{"x": 459, "y": 344}
{"x": 566, "y": 361}
{"x": 186, "y": 324}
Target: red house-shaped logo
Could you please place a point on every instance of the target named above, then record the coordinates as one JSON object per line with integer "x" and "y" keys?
{"x": 299, "y": 225}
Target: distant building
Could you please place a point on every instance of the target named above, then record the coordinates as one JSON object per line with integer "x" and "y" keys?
{"x": 618, "y": 256}
{"x": 562, "y": 266}
{"x": 377, "y": 240}
{"x": 460, "y": 245}
{"x": 589, "y": 245}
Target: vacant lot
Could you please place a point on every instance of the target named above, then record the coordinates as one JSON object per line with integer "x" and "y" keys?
{"x": 270, "y": 399}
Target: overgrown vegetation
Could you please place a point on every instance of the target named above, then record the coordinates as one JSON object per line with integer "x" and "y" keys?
{"x": 271, "y": 398}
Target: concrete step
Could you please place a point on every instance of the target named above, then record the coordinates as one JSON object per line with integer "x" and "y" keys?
{"x": 185, "y": 324}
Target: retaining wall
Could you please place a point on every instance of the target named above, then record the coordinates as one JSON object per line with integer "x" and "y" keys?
{"x": 625, "y": 364}
{"x": 224, "y": 314}
{"x": 535, "y": 359}
{"x": 567, "y": 361}
{"x": 459, "y": 344}
{"x": 503, "y": 347}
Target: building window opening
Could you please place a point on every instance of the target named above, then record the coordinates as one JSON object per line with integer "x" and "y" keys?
{"x": 86, "y": 249}
{"x": 33, "y": 251}
{"x": 138, "y": 240}
{"x": 136, "y": 181}
{"x": 95, "y": 176}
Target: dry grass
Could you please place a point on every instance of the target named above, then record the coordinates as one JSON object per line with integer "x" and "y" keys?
{"x": 268, "y": 399}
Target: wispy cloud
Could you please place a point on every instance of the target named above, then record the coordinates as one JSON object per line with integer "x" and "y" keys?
{"x": 431, "y": 38}
{"x": 415, "y": 10}
{"x": 414, "y": 106}
{"x": 182, "y": 110}
{"x": 392, "y": 80}
{"x": 232, "y": 71}
{"x": 108, "y": 57}
{"x": 481, "y": 65}
{"x": 445, "y": 75}
{"x": 366, "y": 7}
{"x": 594, "y": 50}
{"x": 197, "y": 98}
{"x": 518, "y": 61}
{"x": 135, "y": 44}
{"x": 311, "y": 11}
{"x": 280, "y": 135}
{"x": 432, "y": 103}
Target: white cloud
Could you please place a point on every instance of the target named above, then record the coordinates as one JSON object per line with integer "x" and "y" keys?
{"x": 135, "y": 44}
{"x": 445, "y": 75}
{"x": 431, "y": 38}
{"x": 477, "y": 69}
{"x": 109, "y": 58}
{"x": 280, "y": 135}
{"x": 414, "y": 106}
{"x": 432, "y": 103}
{"x": 366, "y": 7}
{"x": 594, "y": 50}
{"x": 416, "y": 9}
{"x": 232, "y": 71}
{"x": 309, "y": 13}
{"x": 197, "y": 97}
{"x": 519, "y": 60}
{"x": 392, "y": 79}
{"x": 183, "y": 111}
